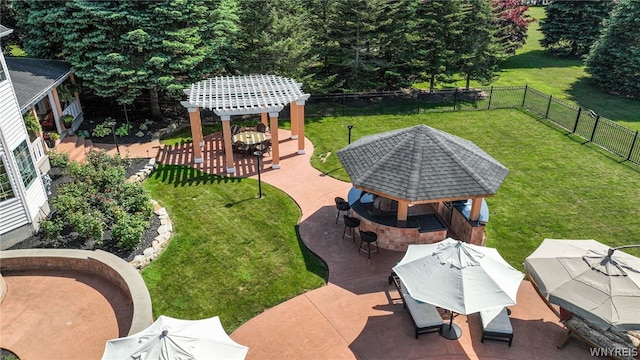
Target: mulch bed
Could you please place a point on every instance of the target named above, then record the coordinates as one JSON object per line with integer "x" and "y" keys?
{"x": 60, "y": 177}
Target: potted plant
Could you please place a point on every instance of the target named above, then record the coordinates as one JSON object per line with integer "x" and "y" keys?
{"x": 67, "y": 120}
{"x": 52, "y": 139}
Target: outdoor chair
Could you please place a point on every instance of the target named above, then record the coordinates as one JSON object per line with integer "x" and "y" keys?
{"x": 425, "y": 317}
{"x": 235, "y": 129}
{"x": 496, "y": 325}
{"x": 261, "y": 127}
{"x": 241, "y": 147}
{"x": 341, "y": 205}
{"x": 350, "y": 223}
{"x": 368, "y": 237}
{"x": 264, "y": 146}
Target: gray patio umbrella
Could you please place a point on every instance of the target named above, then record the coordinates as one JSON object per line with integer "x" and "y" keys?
{"x": 176, "y": 339}
{"x": 460, "y": 277}
{"x": 590, "y": 279}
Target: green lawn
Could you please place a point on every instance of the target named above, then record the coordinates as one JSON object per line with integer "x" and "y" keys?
{"x": 232, "y": 254}
{"x": 565, "y": 79}
{"x": 557, "y": 187}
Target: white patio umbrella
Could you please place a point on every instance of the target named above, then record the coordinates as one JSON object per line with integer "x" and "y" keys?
{"x": 175, "y": 339}
{"x": 590, "y": 279}
{"x": 460, "y": 277}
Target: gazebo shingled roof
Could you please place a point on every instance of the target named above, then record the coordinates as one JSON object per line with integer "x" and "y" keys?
{"x": 419, "y": 164}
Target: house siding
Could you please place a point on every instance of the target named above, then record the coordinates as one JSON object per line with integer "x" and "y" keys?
{"x": 28, "y": 204}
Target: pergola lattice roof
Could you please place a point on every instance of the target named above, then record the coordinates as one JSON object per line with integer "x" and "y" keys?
{"x": 241, "y": 95}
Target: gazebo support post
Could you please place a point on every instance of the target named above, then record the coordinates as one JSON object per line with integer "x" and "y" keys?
{"x": 293, "y": 113}
{"x": 403, "y": 211}
{"x": 300, "y": 121}
{"x": 476, "y": 205}
{"x": 275, "y": 148}
{"x": 228, "y": 148}
{"x": 196, "y": 134}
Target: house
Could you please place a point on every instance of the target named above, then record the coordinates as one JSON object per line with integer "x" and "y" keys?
{"x": 28, "y": 85}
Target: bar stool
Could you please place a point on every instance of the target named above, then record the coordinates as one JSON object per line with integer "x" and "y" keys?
{"x": 341, "y": 205}
{"x": 368, "y": 237}
{"x": 350, "y": 223}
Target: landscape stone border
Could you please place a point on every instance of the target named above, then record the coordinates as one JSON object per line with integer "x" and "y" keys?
{"x": 165, "y": 229}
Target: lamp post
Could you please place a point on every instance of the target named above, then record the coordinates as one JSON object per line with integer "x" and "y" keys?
{"x": 115, "y": 138}
{"x": 258, "y": 155}
{"x": 349, "y": 127}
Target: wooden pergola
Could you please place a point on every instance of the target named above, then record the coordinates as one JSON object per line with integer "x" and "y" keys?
{"x": 227, "y": 96}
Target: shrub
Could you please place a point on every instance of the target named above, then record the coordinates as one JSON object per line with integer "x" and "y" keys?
{"x": 89, "y": 225}
{"x": 103, "y": 129}
{"x": 59, "y": 160}
{"x": 51, "y": 229}
{"x": 32, "y": 124}
{"x": 128, "y": 230}
{"x": 123, "y": 130}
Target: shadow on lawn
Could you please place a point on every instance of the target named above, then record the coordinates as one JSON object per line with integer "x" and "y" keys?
{"x": 613, "y": 107}
{"x": 537, "y": 59}
{"x": 188, "y": 176}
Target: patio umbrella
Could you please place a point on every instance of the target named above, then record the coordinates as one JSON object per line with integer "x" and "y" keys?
{"x": 175, "y": 339}
{"x": 589, "y": 279}
{"x": 460, "y": 277}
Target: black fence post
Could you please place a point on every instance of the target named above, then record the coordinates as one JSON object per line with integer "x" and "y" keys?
{"x": 455, "y": 98}
{"x": 524, "y": 96}
{"x": 546, "y": 115}
{"x": 595, "y": 126}
{"x": 633, "y": 144}
{"x": 490, "y": 96}
{"x": 575, "y": 126}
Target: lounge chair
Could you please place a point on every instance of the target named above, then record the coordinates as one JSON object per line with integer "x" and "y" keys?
{"x": 425, "y": 317}
{"x": 496, "y": 325}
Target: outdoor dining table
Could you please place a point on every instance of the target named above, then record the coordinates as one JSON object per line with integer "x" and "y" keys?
{"x": 249, "y": 137}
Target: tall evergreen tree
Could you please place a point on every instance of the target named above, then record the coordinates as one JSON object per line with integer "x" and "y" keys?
{"x": 614, "y": 60}
{"x": 479, "y": 51}
{"x": 38, "y": 22}
{"x": 122, "y": 48}
{"x": 512, "y": 22}
{"x": 572, "y": 26}
{"x": 322, "y": 14}
{"x": 434, "y": 38}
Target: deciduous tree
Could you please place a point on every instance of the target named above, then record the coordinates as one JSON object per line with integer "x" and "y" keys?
{"x": 512, "y": 23}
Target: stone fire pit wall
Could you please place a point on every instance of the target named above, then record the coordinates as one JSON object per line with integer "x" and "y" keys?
{"x": 98, "y": 263}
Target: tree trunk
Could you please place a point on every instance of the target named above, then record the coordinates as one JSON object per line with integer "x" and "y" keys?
{"x": 432, "y": 82}
{"x": 468, "y": 80}
{"x": 155, "y": 104}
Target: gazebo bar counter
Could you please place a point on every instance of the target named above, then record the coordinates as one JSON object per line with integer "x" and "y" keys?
{"x": 426, "y": 224}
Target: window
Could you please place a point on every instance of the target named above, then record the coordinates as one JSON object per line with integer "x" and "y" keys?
{"x": 25, "y": 164}
{"x": 6, "y": 191}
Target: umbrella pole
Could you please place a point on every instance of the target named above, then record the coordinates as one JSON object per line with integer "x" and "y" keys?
{"x": 453, "y": 331}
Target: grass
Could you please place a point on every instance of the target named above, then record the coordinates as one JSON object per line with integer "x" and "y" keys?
{"x": 564, "y": 79}
{"x": 232, "y": 254}
{"x": 558, "y": 187}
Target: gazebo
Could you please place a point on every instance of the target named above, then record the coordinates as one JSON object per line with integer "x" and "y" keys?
{"x": 422, "y": 165}
{"x": 227, "y": 96}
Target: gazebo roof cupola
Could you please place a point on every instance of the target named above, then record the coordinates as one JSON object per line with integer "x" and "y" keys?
{"x": 241, "y": 95}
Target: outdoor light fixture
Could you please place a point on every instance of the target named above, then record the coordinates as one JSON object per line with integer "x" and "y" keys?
{"x": 349, "y": 127}
{"x": 258, "y": 155}
{"x": 115, "y": 138}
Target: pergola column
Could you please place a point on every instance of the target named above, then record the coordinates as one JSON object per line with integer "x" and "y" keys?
{"x": 196, "y": 134}
{"x": 293, "y": 113}
{"x": 300, "y": 122}
{"x": 228, "y": 147}
{"x": 264, "y": 118}
{"x": 275, "y": 148}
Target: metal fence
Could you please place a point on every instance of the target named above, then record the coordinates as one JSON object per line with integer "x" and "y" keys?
{"x": 584, "y": 123}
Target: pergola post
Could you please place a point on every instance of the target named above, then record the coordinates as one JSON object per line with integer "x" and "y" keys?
{"x": 275, "y": 148}
{"x": 293, "y": 113}
{"x": 228, "y": 148}
{"x": 476, "y": 206}
{"x": 300, "y": 118}
{"x": 264, "y": 118}
{"x": 196, "y": 134}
